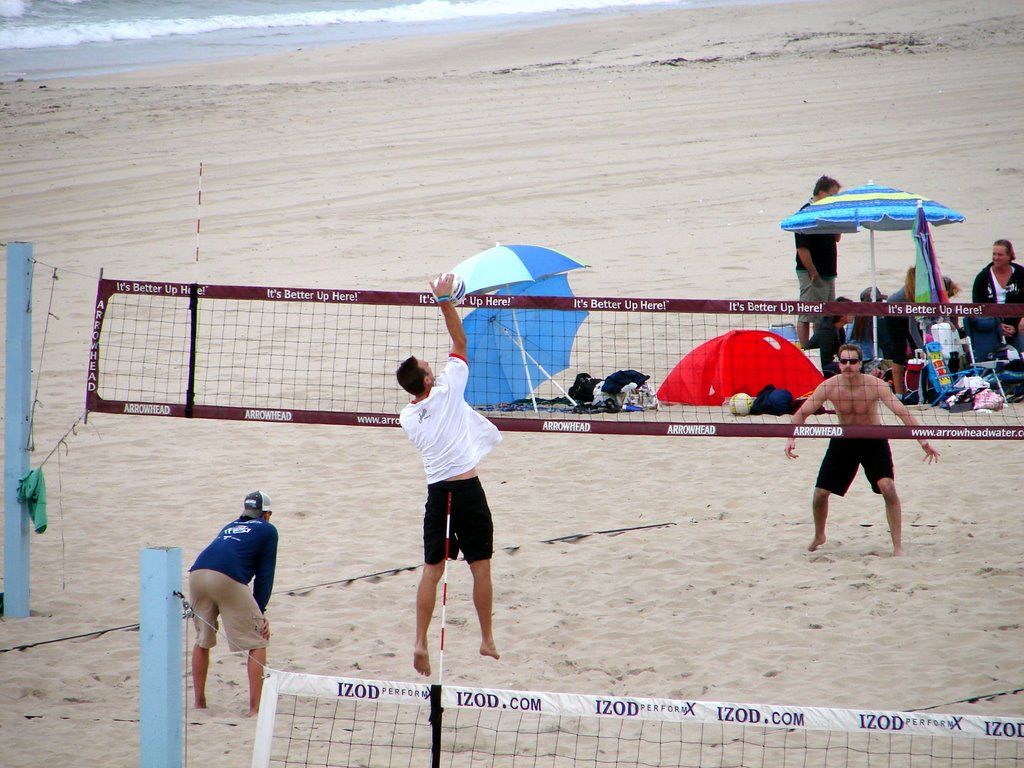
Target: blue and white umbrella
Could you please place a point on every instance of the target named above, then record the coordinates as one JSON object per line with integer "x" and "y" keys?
{"x": 505, "y": 265}
{"x": 512, "y": 352}
{"x": 872, "y": 207}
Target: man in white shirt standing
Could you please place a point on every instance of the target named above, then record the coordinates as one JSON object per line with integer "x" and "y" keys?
{"x": 452, "y": 438}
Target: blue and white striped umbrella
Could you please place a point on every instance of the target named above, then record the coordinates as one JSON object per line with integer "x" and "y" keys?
{"x": 510, "y": 264}
{"x": 872, "y": 207}
{"x": 512, "y": 352}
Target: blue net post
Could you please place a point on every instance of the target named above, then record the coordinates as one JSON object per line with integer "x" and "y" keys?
{"x": 161, "y": 701}
{"x": 17, "y": 416}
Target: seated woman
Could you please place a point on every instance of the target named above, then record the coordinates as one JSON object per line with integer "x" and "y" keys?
{"x": 1002, "y": 282}
{"x": 904, "y": 333}
{"x": 829, "y": 335}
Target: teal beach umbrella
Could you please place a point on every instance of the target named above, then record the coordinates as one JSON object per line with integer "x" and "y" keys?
{"x": 513, "y": 351}
{"x": 505, "y": 265}
{"x": 872, "y": 207}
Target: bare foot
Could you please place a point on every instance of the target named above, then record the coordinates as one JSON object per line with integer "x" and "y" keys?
{"x": 421, "y": 661}
{"x": 201, "y": 703}
{"x": 488, "y": 648}
{"x": 817, "y": 542}
{"x": 898, "y": 552}
{"x": 252, "y": 713}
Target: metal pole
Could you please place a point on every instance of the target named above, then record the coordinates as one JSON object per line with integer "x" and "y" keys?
{"x": 874, "y": 297}
{"x": 17, "y": 415}
{"x": 522, "y": 354}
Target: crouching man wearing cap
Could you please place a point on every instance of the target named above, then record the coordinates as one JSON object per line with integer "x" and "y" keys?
{"x": 218, "y": 584}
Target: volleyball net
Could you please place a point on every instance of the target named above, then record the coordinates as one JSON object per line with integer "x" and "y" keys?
{"x": 570, "y": 364}
{"x": 313, "y": 720}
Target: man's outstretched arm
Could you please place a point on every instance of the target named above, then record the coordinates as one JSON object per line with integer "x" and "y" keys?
{"x": 811, "y": 405}
{"x": 442, "y": 288}
{"x": 890, "y": 401}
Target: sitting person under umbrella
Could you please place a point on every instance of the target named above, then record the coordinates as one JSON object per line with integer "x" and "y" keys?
{"x": 864, "y": 330}
{"x": 903, "y": 334}
{"x": 829, "y": 335}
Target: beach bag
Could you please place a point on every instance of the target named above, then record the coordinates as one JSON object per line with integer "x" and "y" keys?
{"x": 968, "y": 391}
{"x": 960, "y": 401}
{"x": 772, "y": 401}
{"x": 644, "y": 398}
{"x": 987, "y": 400}
{"x": 617, "y": 382}
{"x": 582, "y": 389}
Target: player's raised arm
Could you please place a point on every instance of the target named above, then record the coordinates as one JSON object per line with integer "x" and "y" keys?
{"x": 442, "y": 288}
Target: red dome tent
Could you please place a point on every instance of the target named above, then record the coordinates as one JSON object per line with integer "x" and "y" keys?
{"x": 738, "y": 361}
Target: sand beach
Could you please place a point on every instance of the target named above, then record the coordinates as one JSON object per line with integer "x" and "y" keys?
{"x": 663, "y": 148}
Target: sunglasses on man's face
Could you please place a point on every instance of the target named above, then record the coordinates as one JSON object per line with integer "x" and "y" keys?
{"x": 849, "y": 361}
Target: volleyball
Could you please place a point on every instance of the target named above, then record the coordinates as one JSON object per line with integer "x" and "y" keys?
{"x": 740, "y": 404}
{"x": 458, "y": 291}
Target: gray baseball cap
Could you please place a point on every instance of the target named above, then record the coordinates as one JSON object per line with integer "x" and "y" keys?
{"x": 255, "y": 504}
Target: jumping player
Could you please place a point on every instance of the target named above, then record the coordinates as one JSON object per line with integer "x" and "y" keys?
{"x": 856, "y": 397}
{"x": 452, "y": 438}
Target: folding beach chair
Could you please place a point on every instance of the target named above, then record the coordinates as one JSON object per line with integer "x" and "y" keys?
{"x": 985, "y": 336}
{"x": 942, "y": 383}
{"x": 989, "y": 351}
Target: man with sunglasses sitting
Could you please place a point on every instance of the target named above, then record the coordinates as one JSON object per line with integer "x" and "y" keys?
{"x": 856, "y": 397}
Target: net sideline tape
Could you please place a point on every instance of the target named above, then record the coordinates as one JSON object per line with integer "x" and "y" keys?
{"x": 663, "y": 710}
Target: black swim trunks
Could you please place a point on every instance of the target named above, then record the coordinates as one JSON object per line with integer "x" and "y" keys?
{"x": 472, "y": 531}
{"x": 846, "y": 454}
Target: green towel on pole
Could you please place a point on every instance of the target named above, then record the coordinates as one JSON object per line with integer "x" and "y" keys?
{"x": 32, "y": 490}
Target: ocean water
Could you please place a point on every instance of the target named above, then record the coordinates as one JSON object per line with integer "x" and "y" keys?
{"x": 41, "y": 39}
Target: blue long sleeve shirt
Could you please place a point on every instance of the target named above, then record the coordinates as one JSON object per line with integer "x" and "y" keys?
{"x": 244, "y": 550}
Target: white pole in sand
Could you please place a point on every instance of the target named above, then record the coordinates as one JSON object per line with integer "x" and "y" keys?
{"x": 161, "y": 702}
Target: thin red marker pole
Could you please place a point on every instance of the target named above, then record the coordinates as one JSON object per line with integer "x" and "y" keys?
{"x": 199, "y": 210}
{"x": 444, "y": 586}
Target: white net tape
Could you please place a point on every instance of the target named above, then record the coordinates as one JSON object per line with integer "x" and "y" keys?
{"x": 501, "y": 727}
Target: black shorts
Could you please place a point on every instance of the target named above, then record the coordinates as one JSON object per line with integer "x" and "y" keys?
{"x": 472, "y": 531}
{"x": 846, "y": 454}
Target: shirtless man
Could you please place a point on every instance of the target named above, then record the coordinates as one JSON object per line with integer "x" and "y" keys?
{"x": 856, "y": 397}
{"x": 452, "y": 438}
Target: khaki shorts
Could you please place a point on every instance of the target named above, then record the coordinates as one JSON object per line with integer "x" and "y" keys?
{"x": 822, "y": 289}
{"x": 211, "y": 594}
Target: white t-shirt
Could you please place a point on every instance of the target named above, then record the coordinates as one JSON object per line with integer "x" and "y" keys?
{"x": 999, "y": 289}
{"x": 451, "y": 437}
